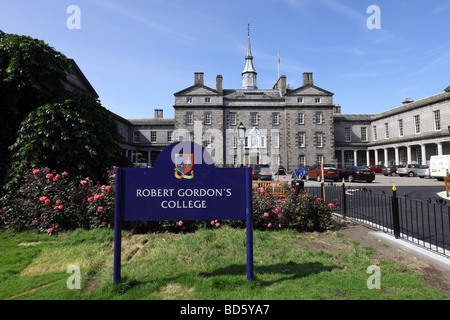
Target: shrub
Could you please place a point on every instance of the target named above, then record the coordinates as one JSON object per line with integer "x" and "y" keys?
{"x": 302, "y": 212}
{"x": 50, "y": 202}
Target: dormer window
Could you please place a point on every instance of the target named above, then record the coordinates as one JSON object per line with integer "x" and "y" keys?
{"x": 189, "y": 100}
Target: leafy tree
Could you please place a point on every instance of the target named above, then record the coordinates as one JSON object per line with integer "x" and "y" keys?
{"x": 31, "y": 75}
{"x": 77, "y": 135}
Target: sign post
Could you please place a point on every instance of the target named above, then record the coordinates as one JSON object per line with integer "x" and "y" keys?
{"x": 183, "y": 185}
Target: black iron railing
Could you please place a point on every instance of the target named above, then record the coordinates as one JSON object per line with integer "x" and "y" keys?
{"x": 425, "y": 223}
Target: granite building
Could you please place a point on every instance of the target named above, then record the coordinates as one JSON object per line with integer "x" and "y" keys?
{"x": 289, "y": 127}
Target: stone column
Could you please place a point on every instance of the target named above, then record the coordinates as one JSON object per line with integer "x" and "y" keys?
{"x": 423, "y": 150}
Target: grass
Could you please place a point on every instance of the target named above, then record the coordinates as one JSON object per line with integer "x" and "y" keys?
{"x": 204, "y": 265}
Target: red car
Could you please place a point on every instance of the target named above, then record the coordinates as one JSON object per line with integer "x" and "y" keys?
{"x": 377, "y": 168}
{"x": 330, "y": 172}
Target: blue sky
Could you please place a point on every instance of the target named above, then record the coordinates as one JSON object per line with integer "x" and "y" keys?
{"x": 138, "y": 53}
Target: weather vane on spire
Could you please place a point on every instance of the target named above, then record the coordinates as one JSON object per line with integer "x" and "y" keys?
{"x": 248, "y": 29}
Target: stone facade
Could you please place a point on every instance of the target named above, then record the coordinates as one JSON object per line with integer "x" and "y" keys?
{"x": 289, "y": 127}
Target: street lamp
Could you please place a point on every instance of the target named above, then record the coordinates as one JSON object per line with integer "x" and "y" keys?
{"x": 241, "y": 133}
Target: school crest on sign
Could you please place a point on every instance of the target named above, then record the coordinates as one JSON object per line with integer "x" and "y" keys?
{"x": 183, "y": 166}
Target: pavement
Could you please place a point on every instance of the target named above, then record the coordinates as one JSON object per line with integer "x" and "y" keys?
{"x": 389, "y": 181}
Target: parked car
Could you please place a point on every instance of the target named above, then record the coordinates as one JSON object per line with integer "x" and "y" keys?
{"x": 354, "y": 173}
{"x": 261, "y": 172}
{"x": 424, "y": 172}
{"x": 280, "y": 170}
{"x": 377, "y": 168}
{"x": 408, "y": 169}
{"x": 391, "y": 170}
{"x": 330, "y": 172}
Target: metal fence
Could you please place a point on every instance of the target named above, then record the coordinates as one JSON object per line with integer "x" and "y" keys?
{"x": 424, "y": 223}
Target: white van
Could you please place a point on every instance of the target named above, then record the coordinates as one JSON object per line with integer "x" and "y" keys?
{"x": 440, "y": 166}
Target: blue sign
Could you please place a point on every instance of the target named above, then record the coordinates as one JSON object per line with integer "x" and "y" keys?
{"x": 185, "y": 185}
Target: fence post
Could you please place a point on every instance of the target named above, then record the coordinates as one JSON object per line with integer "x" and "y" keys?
{"x": 395, "y": 213}
{"x": 344, "y": 199}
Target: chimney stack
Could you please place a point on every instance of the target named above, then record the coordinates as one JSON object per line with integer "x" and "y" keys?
{"x": 159, "y": 113}
{"x": 198, "y": 80}
{"x": 219, "y": 80}
{"x": 308, "y": 78}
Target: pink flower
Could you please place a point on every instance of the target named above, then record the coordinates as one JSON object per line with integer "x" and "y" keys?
{"x": 100, "y": 209}
{"x": 60, "y": 207}
{"x": 96, "y": 196}
{"x": 50, "y": 230}
{"x": 58, "y": 201}
{"x": 266, "y": 214}
{"x": 64, "y": 174}
{"x": 280, "y": 215}
{"x": 55, "y": 208}
{"x": 42, "y": 199}
{"x": 90, "y": 199}
{"x": 35, "y": 222}
{"x": 269, "y": 225}
{"x": 180, "y": 223}
{"x": 49, "y": 176}
{"x": 4, "y": 208}
{"x": 217, "y": 225}
{"x": 331, "y": 205}
{"x": 83, "y": 182}
{"x": 108, "y": 188}
{"x": 102, "y": 224}
{"x": 35, "y": 171}
{"x": 47, "y": 202}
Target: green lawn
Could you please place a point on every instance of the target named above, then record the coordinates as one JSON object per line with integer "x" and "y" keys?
{"x": 204, "y": 265}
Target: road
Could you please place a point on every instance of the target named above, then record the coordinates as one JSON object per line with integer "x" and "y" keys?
{"x": 413, "y": 187}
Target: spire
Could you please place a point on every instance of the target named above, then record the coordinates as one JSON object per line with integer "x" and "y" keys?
{"x": 249, "y": 73}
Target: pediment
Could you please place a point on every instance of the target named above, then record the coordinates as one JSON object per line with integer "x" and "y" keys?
{"x": 197, "y": 90}
{"x": 310, "y": 90}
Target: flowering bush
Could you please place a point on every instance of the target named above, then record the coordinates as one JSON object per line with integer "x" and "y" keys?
{"x": 50, "y": 202}
{"x": 303, "y": 211}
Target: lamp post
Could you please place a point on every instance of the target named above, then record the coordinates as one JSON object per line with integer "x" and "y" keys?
{"x": 241, "y": 133}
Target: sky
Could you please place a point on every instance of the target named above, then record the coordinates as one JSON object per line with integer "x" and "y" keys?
{"x": 372, "y": 54}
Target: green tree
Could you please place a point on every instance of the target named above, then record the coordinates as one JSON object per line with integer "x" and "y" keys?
{"x": 31, "y": 75}
{"x": 77, "y": 135}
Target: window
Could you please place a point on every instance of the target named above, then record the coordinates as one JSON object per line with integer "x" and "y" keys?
{"x": 363, "y": 134}
{"x": 319, "y": 140}
{"x": 189, "y": 100}
{"x": 276, "y": 140}
{"x": 262, "y": 141}
{"x": 189, "y": 120}
{"x": 375, "y": 136}
{"x": 317, "y": 100}
{"x": 254, "y": 118}
{"x": 275, "y": 119}
{"x": 207, "y": 141}
{"x": 169, "y": 136}
{"x": 400, "y": 127}
{"x": 417, "y": 123}
{"x": 207, "y": 100}
{"x": 232, "y": 119}
{"x": 318, "y": 118}
{"x": 301, "y": 118}
{"x": 207, "y": 118}
{"x": 437, "y": 120}
{"x": 189, "y": 136}
{"x": 233, "y": 141}
{"x": 386, "y": 130}
{"x": 302, "y": 161}
{"x": 136, "y": 136}
{"x": 319, "y": 159}
{"x": 152, "y": 136}
{"x": 348, "y": 134}
{"x": 301, "y": 139}
{"x": 300, "y": 100}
